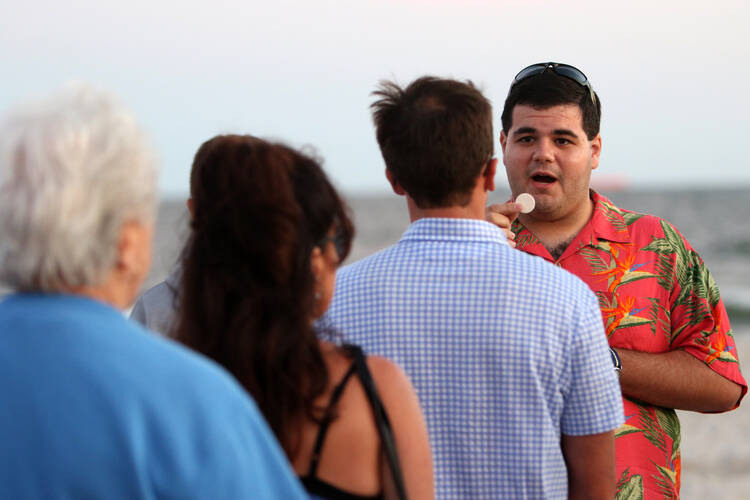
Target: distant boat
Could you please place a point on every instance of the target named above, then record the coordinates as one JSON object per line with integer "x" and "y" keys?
{"x": 609, "y": 182}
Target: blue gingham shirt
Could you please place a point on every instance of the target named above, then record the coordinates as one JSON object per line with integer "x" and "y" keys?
{"x": 505, "y": 351}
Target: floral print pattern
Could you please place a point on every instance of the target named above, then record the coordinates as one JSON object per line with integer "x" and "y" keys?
{"x": 656, "y": 295}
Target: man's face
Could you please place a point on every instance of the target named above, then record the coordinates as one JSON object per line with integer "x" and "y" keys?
{"x": 546, "y": 154}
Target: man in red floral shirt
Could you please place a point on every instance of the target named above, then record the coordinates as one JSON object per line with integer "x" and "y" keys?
{"x": 665, "y": 321}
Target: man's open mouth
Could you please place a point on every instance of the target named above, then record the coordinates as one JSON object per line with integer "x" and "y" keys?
{"x": 546, "y": 179}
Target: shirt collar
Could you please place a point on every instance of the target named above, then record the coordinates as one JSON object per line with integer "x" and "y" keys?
{"x": 444, "y": 229}
{"x": 173, "y": 280}
{"x": 607, "y": 222}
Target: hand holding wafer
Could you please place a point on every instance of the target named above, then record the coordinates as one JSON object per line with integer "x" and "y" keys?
{"x": 526, "y": 201}
{"x": 502, "y": 215}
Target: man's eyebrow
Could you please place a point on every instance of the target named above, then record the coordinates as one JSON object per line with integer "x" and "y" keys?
{"x": 532, "y": 130}
{"x": 564, "y": 131}
{"x": 524, "y": 130}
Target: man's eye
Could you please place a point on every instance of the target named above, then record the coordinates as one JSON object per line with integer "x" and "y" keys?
{"x": 562, "y": 140}
{"x": 526, "y": 138}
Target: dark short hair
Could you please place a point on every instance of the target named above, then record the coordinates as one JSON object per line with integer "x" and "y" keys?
{"x": 550, "y": 89}
{"x": 248, "y": 292}
{"x": 435, "y": 137}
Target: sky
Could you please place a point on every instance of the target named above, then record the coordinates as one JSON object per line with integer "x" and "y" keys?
{"x": 672, "y": 75}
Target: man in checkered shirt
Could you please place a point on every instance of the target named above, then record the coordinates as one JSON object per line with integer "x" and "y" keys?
{"x": 507, "y": 352}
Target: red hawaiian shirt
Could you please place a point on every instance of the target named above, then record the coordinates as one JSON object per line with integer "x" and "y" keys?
{"x": 655, "y": 295}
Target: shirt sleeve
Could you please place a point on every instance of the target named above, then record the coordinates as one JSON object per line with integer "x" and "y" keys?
{"x": 593, "y": 399}
{"x": 699, "y": 321}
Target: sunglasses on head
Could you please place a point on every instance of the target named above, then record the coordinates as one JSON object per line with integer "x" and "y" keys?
{"x": 566, "y": 70}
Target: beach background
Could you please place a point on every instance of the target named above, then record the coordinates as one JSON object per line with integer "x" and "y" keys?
{"x": 670, "y": 74}
{"x": 715, "y": 450}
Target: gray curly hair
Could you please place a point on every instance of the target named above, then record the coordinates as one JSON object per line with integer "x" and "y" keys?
{"x": 74, "y": 167}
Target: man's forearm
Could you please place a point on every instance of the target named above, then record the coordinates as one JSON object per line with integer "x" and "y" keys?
{"x": 677, "y": 380}
{"x": 590, "y": 461}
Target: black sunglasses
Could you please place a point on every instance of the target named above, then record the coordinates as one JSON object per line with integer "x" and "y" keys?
{"x": 339, "y": 243}
{"x": 566, "y": 70}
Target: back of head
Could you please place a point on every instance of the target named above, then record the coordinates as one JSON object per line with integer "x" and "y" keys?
{"x": 548, "y": 89}
{"x": 436, "y": 138}
{"x": 248, "y": 292}
{"x": 256, "y": 201}
{"x": 73, "y": 169}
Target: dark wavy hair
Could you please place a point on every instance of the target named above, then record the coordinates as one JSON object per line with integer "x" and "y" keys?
{"x": 247, "y": 291}
{"x": 549, "y": 89}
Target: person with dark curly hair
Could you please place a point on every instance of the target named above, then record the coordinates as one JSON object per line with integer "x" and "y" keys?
{"x": 268, "y": 233}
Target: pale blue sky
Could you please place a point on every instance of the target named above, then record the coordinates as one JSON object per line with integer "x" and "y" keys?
{"x": 672, "y": 75}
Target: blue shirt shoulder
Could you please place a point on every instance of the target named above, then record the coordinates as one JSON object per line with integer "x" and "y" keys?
{"x": 100, "y": 408}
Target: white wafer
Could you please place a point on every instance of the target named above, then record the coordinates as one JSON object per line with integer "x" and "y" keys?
{"x": 526, "y": 201}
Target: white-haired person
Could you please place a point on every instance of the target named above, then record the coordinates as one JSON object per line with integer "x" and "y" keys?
{"x": 93, "y": 406}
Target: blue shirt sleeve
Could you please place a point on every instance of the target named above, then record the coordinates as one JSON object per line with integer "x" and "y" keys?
{"x": 593, "y": 400}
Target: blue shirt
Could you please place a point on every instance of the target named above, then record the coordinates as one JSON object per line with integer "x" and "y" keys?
{"x": 505, "y": 351}
{"x": 93, "y": 407}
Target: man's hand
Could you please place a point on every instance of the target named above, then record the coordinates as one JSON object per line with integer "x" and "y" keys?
{"x": 502, "y": 215}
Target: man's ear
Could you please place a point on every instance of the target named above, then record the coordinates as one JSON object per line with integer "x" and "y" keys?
{"x": 394, "y": 183}
{"x": 596, "y": 150}
{"x": 503, "y": 140}
{"x": 489, "y": 175}
{"x": 133, "y": 250}
{"x": 190, "y": 207}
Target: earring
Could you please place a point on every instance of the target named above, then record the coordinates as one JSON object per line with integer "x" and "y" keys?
{"x": 316, "y": 292}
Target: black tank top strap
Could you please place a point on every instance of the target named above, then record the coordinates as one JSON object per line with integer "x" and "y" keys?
{"x": 327, "y": 419}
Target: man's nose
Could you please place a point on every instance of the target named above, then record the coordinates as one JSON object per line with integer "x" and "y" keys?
{"x": 544, "y": 151}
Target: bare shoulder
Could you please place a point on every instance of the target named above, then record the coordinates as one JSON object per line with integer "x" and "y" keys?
{"x": 394, "y": 388}
{"x": 388, "y": 375}
{"x": 409, "y": 427}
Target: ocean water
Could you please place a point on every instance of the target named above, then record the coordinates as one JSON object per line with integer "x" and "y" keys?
{"x": 716, "y": 222}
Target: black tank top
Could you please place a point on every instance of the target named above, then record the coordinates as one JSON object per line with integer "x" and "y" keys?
{"x": 313, "y": 485}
